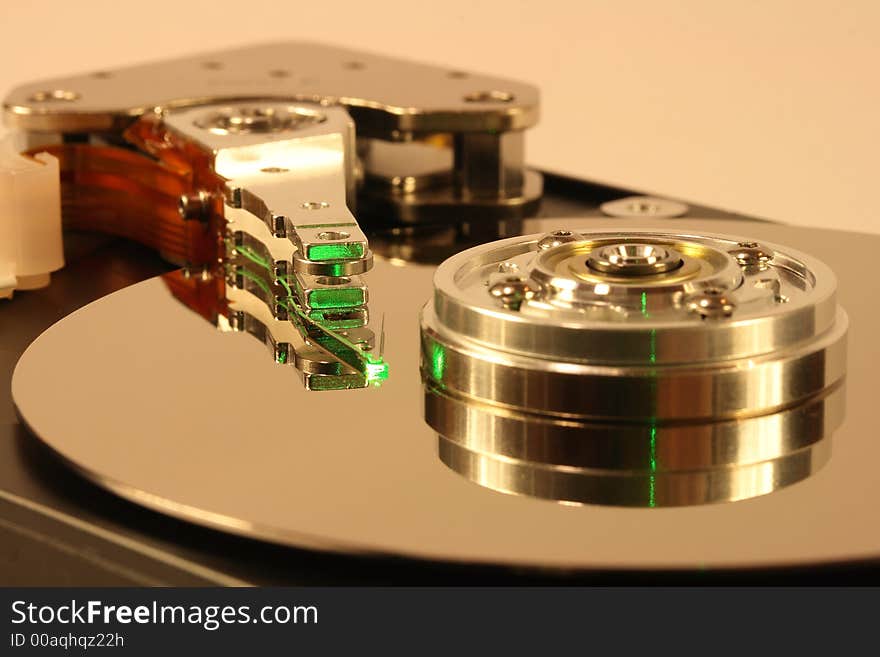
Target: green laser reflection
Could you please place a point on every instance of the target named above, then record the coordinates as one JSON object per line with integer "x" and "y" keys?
{"x": 344, "y": 251}
{"x": 438, "y": 362}
{"x": 373, "y": 368}
{"x": 652, "y": 446}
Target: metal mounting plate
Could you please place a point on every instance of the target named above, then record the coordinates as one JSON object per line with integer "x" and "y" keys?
{"x": 388, "y": 98}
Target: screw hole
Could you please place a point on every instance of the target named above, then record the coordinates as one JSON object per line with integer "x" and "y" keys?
{"x": 102, "y": 75}
{"x": 279, "y": 73}
{"x": 212, "y": 66}
{"x": 457, "y": 75}
{"x": 354, "y": 66}
{"x": 333, "y": 235}
{"x": 274, "y": 170}
{"x": 489, "y": 97}
{"x": 61, "y": 95}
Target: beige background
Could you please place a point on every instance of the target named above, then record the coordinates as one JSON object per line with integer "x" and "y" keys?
{"x": 769, "y": 108}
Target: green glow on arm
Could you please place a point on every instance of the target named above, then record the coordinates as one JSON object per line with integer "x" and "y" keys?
{"x": 338, "y": 321}
{"x": 344, "y": 251}
{"x": 377, "y": 372}
{"x": 343, "y": 297}
{"x": 372, "y": 367}
{"x": 338, "y": 345}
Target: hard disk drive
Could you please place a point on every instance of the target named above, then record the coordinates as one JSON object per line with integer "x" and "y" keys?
{"x": 321, "y": 323}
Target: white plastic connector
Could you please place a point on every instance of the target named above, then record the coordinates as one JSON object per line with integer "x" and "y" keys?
{"x": 30, "y": 219}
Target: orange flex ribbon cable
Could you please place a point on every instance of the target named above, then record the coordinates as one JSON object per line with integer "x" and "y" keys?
{"x": 136, "y": 195}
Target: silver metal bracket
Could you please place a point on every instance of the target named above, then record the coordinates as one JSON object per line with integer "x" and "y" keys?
{"x": 438, "y": 146}
{"x": 292, "y": 167}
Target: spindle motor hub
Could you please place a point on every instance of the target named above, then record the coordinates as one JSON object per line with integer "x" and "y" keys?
{"x": 634, "y": 368}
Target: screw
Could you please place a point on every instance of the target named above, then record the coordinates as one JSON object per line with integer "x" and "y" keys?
{"x": 711, "y": 303}
{"x": 751, "y": 254}
{"x": 195, "y": 206}
{"x": 556, "y": 238}
{"x": 512, "y": 291}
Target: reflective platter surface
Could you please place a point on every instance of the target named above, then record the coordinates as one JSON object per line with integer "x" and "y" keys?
{"x": 149, "y": 400}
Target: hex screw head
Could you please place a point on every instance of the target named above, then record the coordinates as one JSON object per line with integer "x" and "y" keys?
{"x": 711, "y": 303}
{"x": 557, "y": 237}
{"x": 751, "y": 254}
{"x": 195, "y": 207}
{"x": 512, "y": 291}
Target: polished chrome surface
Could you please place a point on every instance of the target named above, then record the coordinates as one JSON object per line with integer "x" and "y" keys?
{"x": 524, "y": 415}
{"x": 633, "y": 259}
{"x": 293, "y": 247}
{"x": 292, "y": 167}
{"x": 582, "y": 315}
{"x": 387, "y": 95}
{"x": 626, "y": 464}
{"x": 703, "y": 391}
{"x": 168, "y": 412}
{"x": 409, "y": 116}
{"x": 586, "y": 486}
{"x": 628, "y": 447}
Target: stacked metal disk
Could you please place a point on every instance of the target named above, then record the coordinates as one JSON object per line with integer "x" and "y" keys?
{"x": 636, "y": 368}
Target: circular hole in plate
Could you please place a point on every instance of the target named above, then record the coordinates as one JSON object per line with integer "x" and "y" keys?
{"x": 333, "y": 235}
{"x": 489, "y": 97}
{"x": 53, "y": 95}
